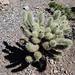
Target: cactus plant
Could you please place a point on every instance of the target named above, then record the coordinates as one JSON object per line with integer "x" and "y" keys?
{"x": 49, "y": 36}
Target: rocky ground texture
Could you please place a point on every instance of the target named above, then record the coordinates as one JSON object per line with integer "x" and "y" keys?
{"x": 10, "y": 21}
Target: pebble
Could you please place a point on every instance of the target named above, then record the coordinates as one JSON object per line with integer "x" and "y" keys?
{"x": 26, "y": 7}
{"x": 60, "y": 64}
{"x": 37, "y": 7}
{"x": 62, "y": 69}
{"x": 52, "y": 9}
{"x": 73, "y": 61}
{"x": 55, "y": 71}
{"x": 33, "y": 74}
{"x": 51, "y": 61}
{"x": 70, "y": 62}
{"x": 4, "y": 61}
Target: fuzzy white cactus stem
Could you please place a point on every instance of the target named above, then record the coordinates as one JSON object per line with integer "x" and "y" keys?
{"x": 30, "y": 19}
{"x": 31, "y": 48}
{"x": 41, "y": 19}
{"x": 50, "y": 22}
{"x": 26, "y": 32}
{"x": 57, "y": 14}
{"x": 37, "y": 55}
{"x": 28, "y": 59}
{"x": 25, "y": 17}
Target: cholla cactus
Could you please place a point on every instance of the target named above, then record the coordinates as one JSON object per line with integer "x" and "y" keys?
{"x": 49, "y": 36}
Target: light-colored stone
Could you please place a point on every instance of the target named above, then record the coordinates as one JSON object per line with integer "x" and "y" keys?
{"x": 51, "y": 61}
{"x": 33, "y": 74}
{"x": 73, "y": 61}
{"x": 62, "y": 69}
{"x": 55, "y": 71}
{"x": 52, "y": 9}
{"x": 37, "y": 7}
{"x": 60, "y": 64}
{"x": 26, "y": 7}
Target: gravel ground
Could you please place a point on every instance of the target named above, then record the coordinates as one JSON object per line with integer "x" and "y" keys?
{"x": 10, "y": 22}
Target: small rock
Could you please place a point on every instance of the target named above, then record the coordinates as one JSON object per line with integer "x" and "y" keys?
{"x": 52, "y": 9}
{"x": 4, "y": 61}
{"x": 33, "y": 74}
{"x": 61, "y": 65}
{"x": 51, "y": 61}
{"x": 3, "y": 9}
{"x": 26, "y": 8}
{"x": 62, "y": 69}
{"x": 44, "y": 3}
{"x": 73, "y": 61}
{"x": 63, "y": 11}
{"x": 37, "y": 7}
{"x": 51, "y": 71}
{"x": 70, "y": 62}
{"x": 55, "y": 71}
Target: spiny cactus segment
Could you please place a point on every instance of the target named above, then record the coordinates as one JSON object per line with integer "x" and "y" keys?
{"x": 37, "y": 55}
{"x": 49, "y": 36}
{"x": 28, "y": 59}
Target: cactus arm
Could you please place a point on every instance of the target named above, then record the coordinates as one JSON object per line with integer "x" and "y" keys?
{"x": 37, "y": 55}
{"x": 26, "y": 32}
{"x": 35, "y": 34}
{"x": 24, "y": 17}
{"x": 63, "y": 18}
{"x": 35, "y": 40}
{"x": 35, "y": 27}
{"x": 53, "y": 43}
{"x": 46, "y": 46}
{"x": 28, "y": 59}
{"x": 57, "y": 14}
{"x": 49, "y": 36}
{"x": 50, "y": 22}
{"x": 41, "y": 19}
{"x": 30, "y": 19}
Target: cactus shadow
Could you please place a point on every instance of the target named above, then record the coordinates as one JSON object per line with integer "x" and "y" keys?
{"x": 16, "y": 57}
{"x": 40, "y": 65}
{"x": 49, "y": 11}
